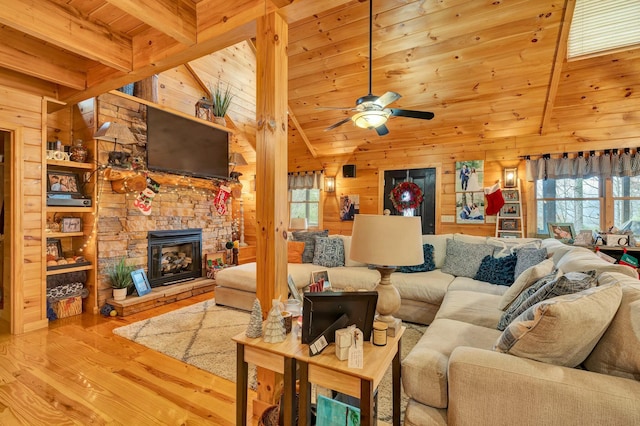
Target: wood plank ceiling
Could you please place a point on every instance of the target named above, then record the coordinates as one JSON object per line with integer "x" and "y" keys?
{"x": 485, "y": 68}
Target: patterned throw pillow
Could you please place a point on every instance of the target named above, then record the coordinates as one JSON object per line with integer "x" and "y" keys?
{"x": 428, "y": 265}
{"x": 562, "y": 330}
{"x": 329, "y": 252}
{"x": 294, "y": 251}
{"x": 497, "y": 270}
{"x": 528, "y": 258}
{"x": 571, "y": 282}
{"x": 309, "y": 238}
{"x": 463, "y": 259}
{"x": 524, "y": 280}
{"x": 508, "y": 315}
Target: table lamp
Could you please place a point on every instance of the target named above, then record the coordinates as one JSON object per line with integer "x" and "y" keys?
{"x": 387, "y": 242}
{"x": 298, "y": 223}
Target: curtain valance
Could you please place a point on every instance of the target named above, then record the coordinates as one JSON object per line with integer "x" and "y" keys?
{"x": 306, "y": 180}
{"x": 584, "y": 165}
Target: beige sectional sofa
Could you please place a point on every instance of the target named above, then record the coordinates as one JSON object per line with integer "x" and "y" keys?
{"x": 455, "y": 376}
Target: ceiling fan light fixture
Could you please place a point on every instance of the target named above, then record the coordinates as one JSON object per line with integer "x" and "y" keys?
{"x": 370, "y": 119}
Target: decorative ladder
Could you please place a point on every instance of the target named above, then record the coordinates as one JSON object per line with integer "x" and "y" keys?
{"x": 509, "y": 223}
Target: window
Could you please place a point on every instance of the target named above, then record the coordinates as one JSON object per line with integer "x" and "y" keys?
{"x": 583, "y": 202}
{"x": 305, "y": 203}
{"x": 574, "y": 201}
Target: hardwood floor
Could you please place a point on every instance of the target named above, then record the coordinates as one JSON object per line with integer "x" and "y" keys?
{"x": 79, "y": 372}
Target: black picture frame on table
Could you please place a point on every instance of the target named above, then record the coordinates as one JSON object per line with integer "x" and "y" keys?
{"x": 141, "y": 282}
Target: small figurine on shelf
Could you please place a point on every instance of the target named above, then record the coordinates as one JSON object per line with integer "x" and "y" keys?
{"x": 274, "y": 331}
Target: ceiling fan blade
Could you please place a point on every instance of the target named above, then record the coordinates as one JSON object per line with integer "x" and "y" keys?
{"x": 339, "y": 123}
{"x": 424, "y": 115}
{"x": 387, "y": 98}
{"x": 382, "y": 130}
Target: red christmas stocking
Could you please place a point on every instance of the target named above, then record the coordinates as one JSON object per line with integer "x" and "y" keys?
{"x": 220, "y": 200}
{"x": 495, "y": 200}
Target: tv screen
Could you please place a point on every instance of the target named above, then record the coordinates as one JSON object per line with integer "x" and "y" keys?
{"x": 182, "y": 146}
{"x": 320, "y": 310}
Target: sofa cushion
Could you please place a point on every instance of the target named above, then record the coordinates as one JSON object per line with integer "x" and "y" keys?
{"x": 524, "y": 280}
{"x": 294, "y": 251}
{"x": 506, "y": 246}
{"x": 497, "y": 270}
{"x": 439, "y": 243}
{"x": 471, "y": 307}
{"x": 426, "y": 266}
{"x": 463, "y": 259}
{"x": 424, "y": 369}
{"x": 618, "y": 351}
{"x": 329, "y": 252}
{"x": 569, "y": 283}
{"x": 309, "y": 238}
{"x": 528, "y": 258}
{"x": 243, "y": 277}
{"x": 427, "y": 287}
{"x": 353, "y": 278}
{"x": 470, "y": 239}
{"x": 469, "y": 284}
{"x": 562, "y": 330}
{"x": 346, "y": 242}
{"x": 583, "y": 259}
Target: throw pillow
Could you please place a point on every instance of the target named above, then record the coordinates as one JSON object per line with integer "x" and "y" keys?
{"x": 294, "y": 251}
{"x": 572, "y": 282}
{"x": 528, "y": 258}
{"x": 524, "y": 280}
{"x": 562, "y": 330}
{"x": 509, "y": 314}
{"x": 428, "y": 265}
{"x": 308, "y": 237}
{"x": 463, "y": 259}
{"x": 618, "y": 351}
{"x": 497, "y": 270}
{"x": 329, "y": 252}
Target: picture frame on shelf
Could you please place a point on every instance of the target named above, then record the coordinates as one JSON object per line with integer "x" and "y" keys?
{"x": 54, "y": 247}
{"x": 510, "y": 210}
{"x": 561, "y": 231}
{"x": 295, "y": 293}
{"x": 509, "y": 224}
{"x": 508, "y": 234}
{"x": 510, "y": 195}
{"x": 316, "y": 276}
{"x": 61, "y": 182}
{"x": 141, "y": 282}
{"x": 71, "y": 224}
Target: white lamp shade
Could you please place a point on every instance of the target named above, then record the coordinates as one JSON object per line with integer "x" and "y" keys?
{"x": 298, "y": 223}
{"x": 387, "y": 240}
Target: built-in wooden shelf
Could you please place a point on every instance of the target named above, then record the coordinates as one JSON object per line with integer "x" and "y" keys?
{"x": 69, "y": 269}
{"x": 64, "y": 234}
{"x": 68, "y": 209}
{"x": 70, "y": 164}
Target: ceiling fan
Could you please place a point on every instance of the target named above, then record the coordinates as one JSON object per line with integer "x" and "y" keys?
{"x": 371, "y": 110}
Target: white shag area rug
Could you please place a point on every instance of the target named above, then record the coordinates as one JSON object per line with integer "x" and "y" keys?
{"x": 201, "y": 334}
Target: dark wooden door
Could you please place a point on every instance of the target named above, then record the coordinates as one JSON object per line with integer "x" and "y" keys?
{"x": 426, "y": 181}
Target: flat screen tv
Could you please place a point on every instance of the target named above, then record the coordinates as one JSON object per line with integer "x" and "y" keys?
{"x": 182, "y": 146}
{"x": 321, "y": 310}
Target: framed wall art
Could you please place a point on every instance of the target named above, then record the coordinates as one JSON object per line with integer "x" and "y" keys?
{"x": 469, "y": 175}
{"x": 510, "y": 195}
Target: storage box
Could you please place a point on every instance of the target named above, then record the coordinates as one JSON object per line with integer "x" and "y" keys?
{"x": 68, "y": 307}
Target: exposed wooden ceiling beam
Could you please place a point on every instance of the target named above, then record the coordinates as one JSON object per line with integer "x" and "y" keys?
{"x": 24, "y": 54}
{"x": 177, "y": 19}
{"x": 303, "y": 135}
{"x": 65, "y": 28}
{"x": 560, "y": 57}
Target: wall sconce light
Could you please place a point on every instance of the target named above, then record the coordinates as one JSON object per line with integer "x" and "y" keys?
{"x": 510, "y": 177}
{"x": 330, "y": 184}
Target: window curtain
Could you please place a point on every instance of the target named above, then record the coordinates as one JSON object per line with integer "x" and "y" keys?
{"x": 584, "y": 165}
{"x": 306, "y": 180}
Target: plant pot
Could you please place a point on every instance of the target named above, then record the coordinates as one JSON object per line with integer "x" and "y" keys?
{"x": 220, "y": 120}
{"x": 119, "y": 293}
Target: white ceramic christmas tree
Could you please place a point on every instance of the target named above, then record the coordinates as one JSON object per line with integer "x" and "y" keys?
{"x": 255, "y": 323}
{"x": 274, "y": 331}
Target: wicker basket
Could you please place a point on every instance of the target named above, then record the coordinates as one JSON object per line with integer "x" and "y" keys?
{"x": 68, "y": 307}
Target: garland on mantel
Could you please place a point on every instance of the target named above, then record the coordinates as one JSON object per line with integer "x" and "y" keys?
{"x": 406, "y": 195}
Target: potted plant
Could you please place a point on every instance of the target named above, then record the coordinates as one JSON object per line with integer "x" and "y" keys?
{"x": 221, "y": 100}
{"x": 120, "y": 276}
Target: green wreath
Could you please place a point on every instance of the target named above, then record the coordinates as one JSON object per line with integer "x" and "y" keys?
{"x": 406, "y": 195}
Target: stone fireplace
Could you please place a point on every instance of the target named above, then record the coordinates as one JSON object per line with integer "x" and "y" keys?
{"x": 174, "y": 256}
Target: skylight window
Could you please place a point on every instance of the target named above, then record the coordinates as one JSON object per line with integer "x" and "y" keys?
{"x": 603, "y": 26}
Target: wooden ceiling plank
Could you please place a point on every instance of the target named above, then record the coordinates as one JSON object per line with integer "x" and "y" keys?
{"x": 177, "y": 19}
{"x": 70, "y": 31}
{"x": 560, "y": 58}
{"x": 302, "y": 133}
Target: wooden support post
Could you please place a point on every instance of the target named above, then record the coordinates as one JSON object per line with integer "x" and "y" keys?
{"x": 271, "y": 167}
